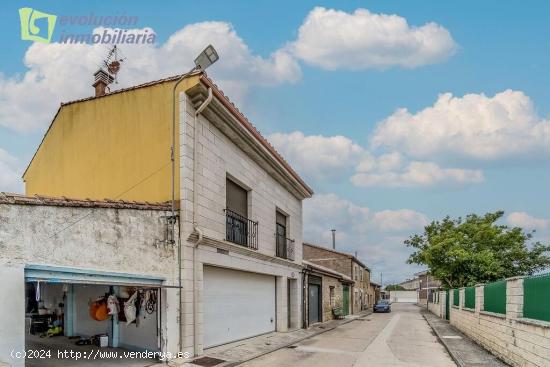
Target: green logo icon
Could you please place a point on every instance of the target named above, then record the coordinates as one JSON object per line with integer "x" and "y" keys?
{"x": 30, "y": 31}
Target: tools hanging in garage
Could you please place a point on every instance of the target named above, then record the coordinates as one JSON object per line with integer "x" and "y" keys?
{"x": 139, "y": 301}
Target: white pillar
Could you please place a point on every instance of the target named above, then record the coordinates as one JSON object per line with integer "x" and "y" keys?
{"x": 281, "y": 307}
{"x": 514, "y": 298}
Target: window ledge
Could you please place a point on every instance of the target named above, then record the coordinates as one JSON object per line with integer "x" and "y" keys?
{"x": 469, "y": 309}
{"x": 494, "y": 314}
{"x": 540, "y": 323}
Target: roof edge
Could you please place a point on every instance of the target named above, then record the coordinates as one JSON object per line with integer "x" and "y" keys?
{"x": 40, "y": 200}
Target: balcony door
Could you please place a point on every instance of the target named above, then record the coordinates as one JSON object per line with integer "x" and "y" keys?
{"x": 237, "y": 213}
{"x": 280, "y": 233}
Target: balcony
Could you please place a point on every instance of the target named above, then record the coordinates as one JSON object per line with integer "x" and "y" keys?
{"x": 285, "y": 248}
{"x": 241, "y": 230}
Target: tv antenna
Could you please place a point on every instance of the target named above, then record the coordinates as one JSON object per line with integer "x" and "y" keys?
{"x": 112, "y": 62}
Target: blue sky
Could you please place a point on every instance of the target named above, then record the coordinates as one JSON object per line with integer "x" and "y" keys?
{"x": 460, "y": 155}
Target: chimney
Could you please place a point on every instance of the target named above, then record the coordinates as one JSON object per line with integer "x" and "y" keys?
{"x": 333, "y": 239}
{"x": 102, "y": 80}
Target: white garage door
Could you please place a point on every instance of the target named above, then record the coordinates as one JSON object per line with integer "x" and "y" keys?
{"x": 237, "y": 305}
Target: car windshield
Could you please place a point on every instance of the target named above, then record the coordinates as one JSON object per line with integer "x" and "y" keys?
{"x": 382, "y": 302}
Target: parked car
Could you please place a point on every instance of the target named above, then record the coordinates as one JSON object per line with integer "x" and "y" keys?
{"x": 382, "y": 305}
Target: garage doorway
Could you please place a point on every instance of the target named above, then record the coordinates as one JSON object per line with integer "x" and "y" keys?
{"x": 237, "y": 305}
{"x": 67, "y": 315}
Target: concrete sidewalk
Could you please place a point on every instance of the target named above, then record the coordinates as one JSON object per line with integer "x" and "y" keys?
{"x": 464, "y": 351}
{"x": 242, "y": 351}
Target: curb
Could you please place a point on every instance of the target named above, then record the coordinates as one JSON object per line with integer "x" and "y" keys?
{"x": 454, "y": 357}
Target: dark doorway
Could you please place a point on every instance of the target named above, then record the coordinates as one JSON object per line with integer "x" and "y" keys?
{"x": 314, "y": 299}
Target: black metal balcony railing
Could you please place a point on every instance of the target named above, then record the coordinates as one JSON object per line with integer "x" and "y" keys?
{"x": 285, "y": 248}
{"x": 241, "y": 230}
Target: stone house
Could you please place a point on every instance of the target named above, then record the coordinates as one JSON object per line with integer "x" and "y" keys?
{"x": 348, "y": 265}
{"x": 237, "y": 202}
{"x": 323, "y": 292}
{"x": 374, "y": 293}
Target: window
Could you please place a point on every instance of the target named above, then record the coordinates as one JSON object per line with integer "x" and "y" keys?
{"x": 284, "y": 246}
{"x": 236, "y": 198}
{"x": 331, "y": 295}
{"x": 239, "y": 229}
{"x": 361, "y": 274}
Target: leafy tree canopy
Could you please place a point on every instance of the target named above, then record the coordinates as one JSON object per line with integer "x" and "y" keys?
{"x": 464, "y": 252}
{"x": 394, "y": 287}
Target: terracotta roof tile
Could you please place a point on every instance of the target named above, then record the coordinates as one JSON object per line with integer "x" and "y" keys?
{"x": 19, "y": 199}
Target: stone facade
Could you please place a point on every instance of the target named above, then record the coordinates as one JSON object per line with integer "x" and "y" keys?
{"x": 86, "y": 236}
{"x": 512, "y": 338}
{"x": 331, "y": 290}
{"x": 345, "y": 264}
{"x": 221, "y": 154}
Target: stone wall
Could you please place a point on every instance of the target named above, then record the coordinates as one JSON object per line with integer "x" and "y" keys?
{"x": 329, "y": 259}
{"x": 516, "y": 340}
{"x": 338, "y": 291}
{"x": 95, "y": 239}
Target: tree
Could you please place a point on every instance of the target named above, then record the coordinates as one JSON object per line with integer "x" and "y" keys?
{"x": 394, "y": 287}
{"x": 476, "y": 250}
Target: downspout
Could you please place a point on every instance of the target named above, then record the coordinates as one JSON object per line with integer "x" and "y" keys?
{"x": 173, "y": 204}
{"x": 304, "y": 295}
{"x": 195, "y": 224}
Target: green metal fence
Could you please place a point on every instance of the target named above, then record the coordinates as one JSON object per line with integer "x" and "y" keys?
{"x": 494, "y": 295}
{"x": 456, "y": 297}
{"x": 470, "y": 297}
{"x": 536, "y": 297}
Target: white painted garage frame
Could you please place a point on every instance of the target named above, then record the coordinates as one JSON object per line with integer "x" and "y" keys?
{"x": 237, "y": 305}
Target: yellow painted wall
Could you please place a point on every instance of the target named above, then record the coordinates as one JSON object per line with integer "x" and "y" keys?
{"x": 115, "y": 147}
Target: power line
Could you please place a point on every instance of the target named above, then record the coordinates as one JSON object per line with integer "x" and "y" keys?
{"x": 115, "y": 198}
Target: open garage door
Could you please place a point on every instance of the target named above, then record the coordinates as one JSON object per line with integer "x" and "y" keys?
{"x": 237, "y": 305}
{"x": 59, "y": 301}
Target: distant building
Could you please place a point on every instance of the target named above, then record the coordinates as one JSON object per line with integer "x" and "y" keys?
{"x": 424, "y": 283}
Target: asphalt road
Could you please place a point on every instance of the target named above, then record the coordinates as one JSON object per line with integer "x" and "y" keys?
{"x": 400, "y": 338}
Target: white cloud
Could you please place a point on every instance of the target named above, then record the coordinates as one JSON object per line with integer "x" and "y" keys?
{"x": 317, "y": 156}
{"x": 376, "y": 236}
{"x": 334, "y": 39}
{"x": 10, "y": 173}
{"x": 320, "y": 157}
{"x": 62, "y": 72}
{"x": 394, "y": 171}
{"x": 399, "y": 220}
{"x": 475, "y": 127}
{"x": 526, "y": 221}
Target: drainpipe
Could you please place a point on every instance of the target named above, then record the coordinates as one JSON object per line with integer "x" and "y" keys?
{"x": 195, "y": 224}
{"x": 304, "y": 295}
{"x": 173, "y": 202}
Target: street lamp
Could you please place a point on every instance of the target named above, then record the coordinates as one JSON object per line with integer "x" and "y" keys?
{"x": 206, "y": 58}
